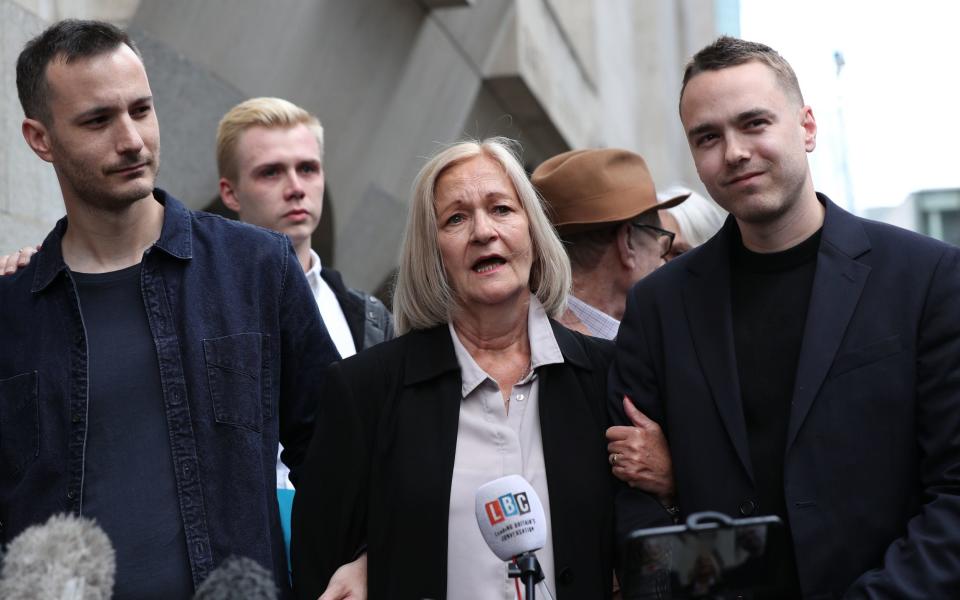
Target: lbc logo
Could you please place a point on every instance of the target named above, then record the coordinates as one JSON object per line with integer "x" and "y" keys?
{"x": 507, "y": 505}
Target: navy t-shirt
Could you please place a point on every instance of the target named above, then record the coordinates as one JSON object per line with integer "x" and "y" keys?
{"x": 128, "y": 483}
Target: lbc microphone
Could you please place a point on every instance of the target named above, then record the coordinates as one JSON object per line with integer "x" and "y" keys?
{"x": 513, "y": 524}
{"x": 511, "y": 517}
{"x": 66, "y": 558}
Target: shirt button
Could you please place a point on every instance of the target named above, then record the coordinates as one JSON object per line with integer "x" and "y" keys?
{"x": 77, "y": 418}
{"x": 71, "y": 495}
{"x": 747, "y": 507}
{"x": 520, "y": 397}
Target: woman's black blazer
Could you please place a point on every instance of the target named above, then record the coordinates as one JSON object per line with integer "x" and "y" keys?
{"x": 379, "y": 468}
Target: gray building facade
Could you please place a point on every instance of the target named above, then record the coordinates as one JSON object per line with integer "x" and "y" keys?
{"x": 391, "y": 80}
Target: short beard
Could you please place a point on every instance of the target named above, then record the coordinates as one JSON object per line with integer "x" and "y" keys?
{"x": 85, "y": 185}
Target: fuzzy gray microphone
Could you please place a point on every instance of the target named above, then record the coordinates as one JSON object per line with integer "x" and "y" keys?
{"x": 238, "y": 578}
{"x": 66, "y": 558}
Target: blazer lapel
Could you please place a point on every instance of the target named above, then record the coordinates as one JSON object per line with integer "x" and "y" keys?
{"x": 573, "y": 443}
{"x": 431, "y": 358}
{"x": 431, "y": 367}
{"x": 559, "y": 381}
{"x": 706, "y": 298}
{"x": 837, "y": 285}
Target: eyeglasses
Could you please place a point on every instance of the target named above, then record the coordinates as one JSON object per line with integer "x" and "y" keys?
{"x": 664, "y": 238}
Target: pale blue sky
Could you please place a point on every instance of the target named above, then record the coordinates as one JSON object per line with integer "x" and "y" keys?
{"x": 899, "y": 91}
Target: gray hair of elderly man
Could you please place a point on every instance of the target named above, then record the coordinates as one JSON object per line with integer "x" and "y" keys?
{"x": 423, "y": 297}
{"x": 699, "y": 218}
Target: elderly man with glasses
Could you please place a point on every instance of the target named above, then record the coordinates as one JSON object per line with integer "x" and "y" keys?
{"x": 604, "y": 205}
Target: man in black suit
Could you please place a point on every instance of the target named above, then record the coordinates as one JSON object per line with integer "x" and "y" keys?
{"x": 804, "y": 362}
{"x": 270, "y": 159}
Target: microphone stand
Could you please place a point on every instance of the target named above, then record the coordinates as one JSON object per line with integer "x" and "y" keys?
{"x": 527, "y": 568}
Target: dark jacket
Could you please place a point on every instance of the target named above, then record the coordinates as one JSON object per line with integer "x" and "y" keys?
{"x": 241, "y": 349}
{"x": 368, "y": 319}
{"x": 380, "y": 465}
{"x": 872, "y": 462}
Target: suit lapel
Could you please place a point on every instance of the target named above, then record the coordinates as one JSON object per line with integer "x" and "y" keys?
{"x": 706, "y": 298}
{"x": 350, "y": 305}
{"x": 837, "y": 285}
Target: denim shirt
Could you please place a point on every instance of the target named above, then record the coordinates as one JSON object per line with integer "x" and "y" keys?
{"x": 242, "y": 351}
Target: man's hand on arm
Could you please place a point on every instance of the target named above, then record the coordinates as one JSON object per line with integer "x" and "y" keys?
{"x": 349, "y": 582}
{"x": 17, "y": 260}
{"x": 640, "y": 455}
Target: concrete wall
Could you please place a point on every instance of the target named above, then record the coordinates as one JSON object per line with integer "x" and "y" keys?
{"x": 118, "y": 12}
{"x": 189, "y": 101}
{"x": 389, "y": 80}
{"x": 30, "y": 201}
{"x": 668, "y": 33}
{"x": 392, "y": 80}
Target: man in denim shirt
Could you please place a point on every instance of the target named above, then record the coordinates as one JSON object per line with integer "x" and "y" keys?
{"x": 146, "y": 374}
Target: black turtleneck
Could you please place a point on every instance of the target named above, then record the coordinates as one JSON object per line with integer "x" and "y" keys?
{"x": 770, "y": 296}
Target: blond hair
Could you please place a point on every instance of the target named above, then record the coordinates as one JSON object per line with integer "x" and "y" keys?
{"x": 423, "y": 297}
{"x": 258, "y": 112}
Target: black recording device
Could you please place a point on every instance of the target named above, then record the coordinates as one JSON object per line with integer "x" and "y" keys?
{"x": 710, "y": 557}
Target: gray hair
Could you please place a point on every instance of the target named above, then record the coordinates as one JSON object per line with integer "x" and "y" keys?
{"x": 423, "y": 297}
{"x": 699, "y": 218}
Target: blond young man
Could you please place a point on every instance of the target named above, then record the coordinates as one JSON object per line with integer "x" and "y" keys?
{"x": 270, "y": 160}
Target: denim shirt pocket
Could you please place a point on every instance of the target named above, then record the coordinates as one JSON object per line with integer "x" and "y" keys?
{"x": 19, "y": 422}
{"x": 234, "y": 369}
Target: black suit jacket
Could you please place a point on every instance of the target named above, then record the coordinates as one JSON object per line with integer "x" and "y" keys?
{"x": 367, "y": 318}
{"x": 380, "y": 466}
{"x": 872, "y": 463}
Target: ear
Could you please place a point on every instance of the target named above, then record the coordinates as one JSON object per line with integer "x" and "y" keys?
{"x": 626, "y": 247}
{"x": 229, "y": 195}
{"x": 809, "y": 124}
{"x": 38, "y": 138}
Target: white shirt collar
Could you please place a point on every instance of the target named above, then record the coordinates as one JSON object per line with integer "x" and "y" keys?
{"x": 313, "y": 274}
{"x": 544, "y": 349}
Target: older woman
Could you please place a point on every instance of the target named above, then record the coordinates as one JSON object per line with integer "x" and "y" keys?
{"x": 482, "y": 383}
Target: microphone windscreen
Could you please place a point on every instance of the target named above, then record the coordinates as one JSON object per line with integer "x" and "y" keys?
{"x": 238, "y": 578}
{"x": 511, "y": 517}
{"x": 66, "y": 558}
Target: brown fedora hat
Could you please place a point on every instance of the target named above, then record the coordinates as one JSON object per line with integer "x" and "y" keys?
{"x": 588, "y": 189}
